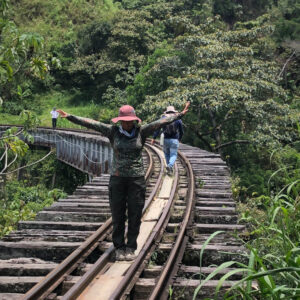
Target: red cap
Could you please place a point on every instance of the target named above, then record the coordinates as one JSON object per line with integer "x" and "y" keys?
{"x": 126, "y": 113}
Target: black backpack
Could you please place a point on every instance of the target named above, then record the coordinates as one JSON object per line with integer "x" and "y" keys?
{"x": 170, "y": 129}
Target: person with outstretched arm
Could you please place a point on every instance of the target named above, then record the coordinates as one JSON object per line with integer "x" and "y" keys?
{"x": 127, "y": 186}
{"x": 173, "y": 133}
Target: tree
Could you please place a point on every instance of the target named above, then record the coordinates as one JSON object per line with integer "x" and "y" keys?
{"x": 22, "y": 60}
{"x": 128, "y": 41}
{"x": 232, "y": 11}
{"x": 12, "y": 146}
{"x": 21, "y": 57}
{"x": 233, "y": 86}
{"x": 287, "y": 20}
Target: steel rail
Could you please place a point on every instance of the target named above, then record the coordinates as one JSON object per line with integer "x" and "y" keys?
{"x": 160, "y": 292}
{"x": 85, "y": 280}
{"x": 57, "y": 275}
{"x": 156, "y": 234}
{"x": 68, "y": 265}
{"x": 150, "y": 168}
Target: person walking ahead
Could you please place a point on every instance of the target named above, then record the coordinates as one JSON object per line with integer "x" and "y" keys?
{"x": 173, "y": 133}
{"x": 54, "y": 115}
{"x": 127, "y": 186}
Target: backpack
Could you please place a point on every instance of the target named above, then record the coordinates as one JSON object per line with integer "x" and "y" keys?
{"x": 170, "y": 129}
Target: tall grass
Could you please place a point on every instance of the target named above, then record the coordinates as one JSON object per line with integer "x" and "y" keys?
{"x": 275, "y": 251}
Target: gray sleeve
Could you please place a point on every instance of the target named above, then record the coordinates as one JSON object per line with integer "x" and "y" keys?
{"x": 105, "y": 129}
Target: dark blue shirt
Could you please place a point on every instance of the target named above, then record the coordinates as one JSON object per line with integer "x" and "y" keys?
{"x": 177, "y": 135}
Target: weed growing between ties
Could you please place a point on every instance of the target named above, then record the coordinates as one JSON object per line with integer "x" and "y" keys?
{"x": 152, "y": 261}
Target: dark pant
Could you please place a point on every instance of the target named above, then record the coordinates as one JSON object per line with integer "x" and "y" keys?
{"x": 126, "y": 192}
{"x": 54, "y": 122}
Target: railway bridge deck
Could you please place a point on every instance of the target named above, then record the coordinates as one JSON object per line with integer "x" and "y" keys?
{"x": 61, "y": 253}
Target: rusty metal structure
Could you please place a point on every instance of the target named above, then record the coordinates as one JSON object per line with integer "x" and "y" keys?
{"x": 86, "y": 151}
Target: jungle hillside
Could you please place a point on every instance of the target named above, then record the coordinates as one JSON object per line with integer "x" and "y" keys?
{"x": 236, "y": 61}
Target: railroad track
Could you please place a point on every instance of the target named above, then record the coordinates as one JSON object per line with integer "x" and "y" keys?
{"x": 213, "y": 210}
{"x": 194, "y": 203}
{"x": 38, "y": 246}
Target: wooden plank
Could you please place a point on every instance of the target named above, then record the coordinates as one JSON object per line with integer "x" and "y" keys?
{"x": 146, "y": 228}
{"x": 215, "y": 209}
{"x": 101, "y": 288}
{"x": 215, "y": 203}
{"x": 32, "y": 269}
{"x": 215, "y": 227}
{"x": 198, "y": 247}
{"x": 155, "y": 209}
{"x": 103, "y": 285}
{"x": 11, "y": 296}
{"x": 166, "y": 187}
{"x": 59, "y": 225}
{"x": 72, "y": 216}
{"x": 118, "y": 268}
{"x": 18, "y": 284}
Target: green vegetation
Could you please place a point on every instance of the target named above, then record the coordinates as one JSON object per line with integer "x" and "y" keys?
{"x": 236, "y": 61}
{"x": 24, "y": 192}
{"x": 22, "y": 202}
{"x": 273, "y": 242}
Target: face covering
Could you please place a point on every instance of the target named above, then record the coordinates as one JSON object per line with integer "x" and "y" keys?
{"x": 130, "y": 135}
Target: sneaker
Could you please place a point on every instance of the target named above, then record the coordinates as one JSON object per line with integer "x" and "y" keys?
{"x": 169, "y": 170}
{"x": 120, "y": 254}
{"x": 129, "y": 254}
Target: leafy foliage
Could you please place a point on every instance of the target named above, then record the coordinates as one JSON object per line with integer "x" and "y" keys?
{"x": 242, "y": 76}
{"x": 22, "y": 62}
{"x": 111, "y": 54}
{"x": 288, "y": 20}
{"x": 232, "y": 86}
{"x": 152, "y": 78}
{"x": 52, "y": 173}
{"x": 23, "y": 202}
{"x": 12, "y": 144}
{"x": 37, "y": 186}
{"x": 273, "y": 222}
{"x": 237, "y": 10}
{"x": 274, "y": 253}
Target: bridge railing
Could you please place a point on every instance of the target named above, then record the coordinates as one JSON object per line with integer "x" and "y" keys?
{"x": 86, "y": 151}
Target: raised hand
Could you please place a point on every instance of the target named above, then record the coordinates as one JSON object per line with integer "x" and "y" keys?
{"x": 62, "y": 113}
{"x": 186, "y": 108}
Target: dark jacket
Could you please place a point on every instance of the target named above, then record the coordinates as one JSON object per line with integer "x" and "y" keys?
{"x": 177, "y": 133}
